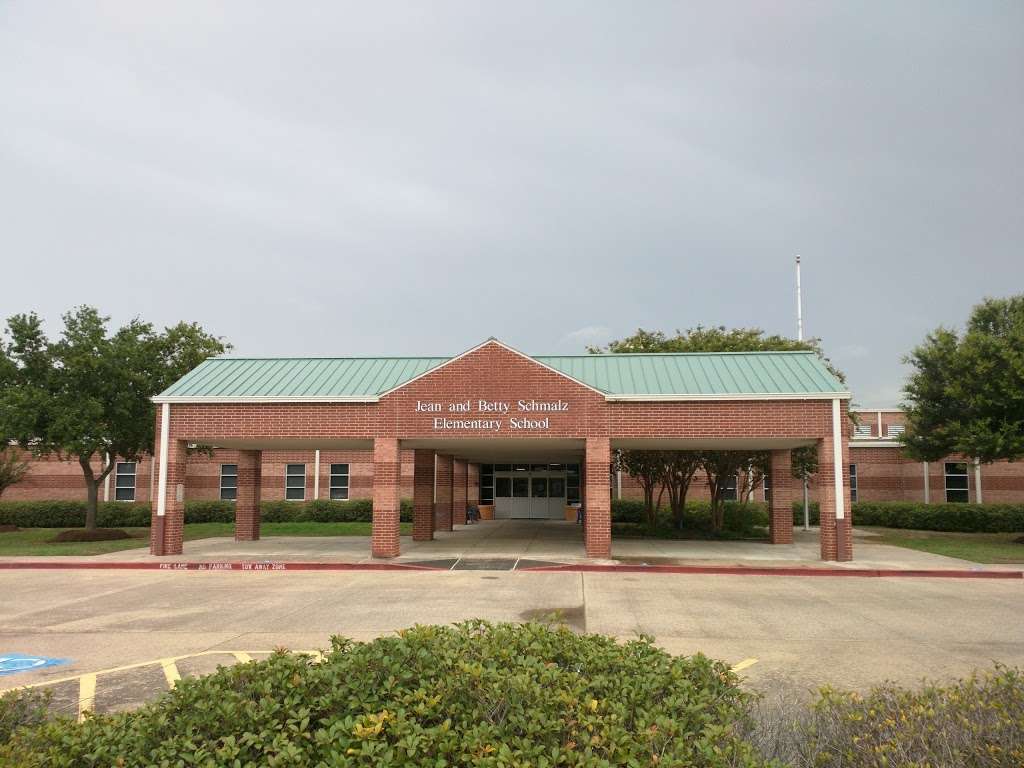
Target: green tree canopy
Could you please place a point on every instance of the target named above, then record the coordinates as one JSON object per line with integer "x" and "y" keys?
{"x": 966, "y": 393}
{"x": 87, "y": 395}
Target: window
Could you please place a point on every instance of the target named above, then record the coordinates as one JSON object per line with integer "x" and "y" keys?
{"x": 503, "y": 487}
{"x": 295, "y": 482}
{"x": 486, "y": 483}
{"x": 862, "y": 430}
{"x": 572, "y": 483}
{"x": 729, "y": 492}
{"x": 895, "y": 430}
{"x": 339, "y": 481}
{"x": 956, "y": 482}
{"x": 228, "y": 482}
{"x": 520, "y": 487}
{"x": 124, "y": 481}
{"x": 853, "y": 483}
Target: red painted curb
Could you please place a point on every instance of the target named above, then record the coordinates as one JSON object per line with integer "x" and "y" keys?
{"x": 740, "y": 570}
{"x": 726, "y": 570}
{"x": 230, "y": 566}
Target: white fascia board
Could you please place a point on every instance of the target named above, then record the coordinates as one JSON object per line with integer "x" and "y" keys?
{"x": 731, "y": 396}
{"x": 259, "y": 399}
{"x": 855, "y": 443}
{"x": 866, "y": 409}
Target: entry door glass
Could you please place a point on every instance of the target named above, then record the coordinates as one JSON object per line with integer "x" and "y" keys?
{"x": 502, "y": 487}
{"x": 539, "y": 488}
{"x": 556, "y": 488}
{"x": 520, "y": 487}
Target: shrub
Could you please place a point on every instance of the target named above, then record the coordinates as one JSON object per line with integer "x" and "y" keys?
{"x": 470, "y": 694}
{"x": 71, "y": 514}
{"x": 22, "y": 708}
{"x": 960, "y": 518}
{"x": 742, "y": 520}
{"x": 813, "y": 512}
{"x": 352, "y": 511}
{"x": 282, "y": 511}
{"x": 978, "y": 721}
{"x": 209, "y": 512}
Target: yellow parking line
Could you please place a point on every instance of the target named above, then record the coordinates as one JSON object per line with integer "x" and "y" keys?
{"x": 744, "y": 664}
{"x": 170, "y": 671}
{"x": 86, "y": 695}
{"x": 241, "y": 657}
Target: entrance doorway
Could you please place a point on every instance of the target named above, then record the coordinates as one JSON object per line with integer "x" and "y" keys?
{"x": 534, "y": 491}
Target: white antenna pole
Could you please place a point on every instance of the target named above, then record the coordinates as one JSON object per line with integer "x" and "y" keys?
{"x": 799, "y": 304}
{"x": 800, "y": 337}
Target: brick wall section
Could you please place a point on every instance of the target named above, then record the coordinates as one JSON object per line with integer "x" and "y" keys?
{"x": 783, "y": 493}
{"x": 247, "y": 505}
{"x": 386, "y": 502}
{"x": 597, "y": 534}
{"x": 423, "y": 496}
{"x": 836, "y": 535}
{"x": 473, "y": 484}
{"x": 166, "y": 533}
{"x": 460, "y": 487}
{"x": 443, "y": 497}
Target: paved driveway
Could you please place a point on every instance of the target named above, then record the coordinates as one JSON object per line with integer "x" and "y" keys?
{"x": 801, "y": 631}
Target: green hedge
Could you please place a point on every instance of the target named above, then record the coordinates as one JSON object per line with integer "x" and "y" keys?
{"x": 119, "y": 514}
{"x": 473, "y": 694}
{"x": 954, "y": 518}
{"x": 739, "y": 517}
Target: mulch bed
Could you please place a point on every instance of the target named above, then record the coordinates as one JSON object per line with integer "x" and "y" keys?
{"x": 9, "y": 528}
{"x": 100, "y": 534}
{"x": 1019, "y": 540}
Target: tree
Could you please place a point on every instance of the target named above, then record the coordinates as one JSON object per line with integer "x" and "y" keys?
{"x": 680, "y": 467}
{"x": 720, "y": 467}
{"x": 648, "y": 468}
{"x": 87, "y": 395}
{"x": 12, "y": 468}
{"x": 966, "y": 394}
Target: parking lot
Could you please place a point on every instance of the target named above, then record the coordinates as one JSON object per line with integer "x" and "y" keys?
{"x": 793, "y": 631}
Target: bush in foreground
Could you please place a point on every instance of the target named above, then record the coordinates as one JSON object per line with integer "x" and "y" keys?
{"x": 977, "y": 721}
{"x": 951, "y": 518}
{"x": 470, "y": 694}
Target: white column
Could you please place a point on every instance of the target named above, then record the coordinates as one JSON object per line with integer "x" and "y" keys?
{"x": 837, "y": 458}
{"x": 618, "y": 484}
{"x": 927, "y": 484}
{"x": 977, "y": 482}
{"x": 879, "y": 423}
{"x": 165, "y": 428}
{"x": 316, "y": 474}
{"x": 106, "y": 480}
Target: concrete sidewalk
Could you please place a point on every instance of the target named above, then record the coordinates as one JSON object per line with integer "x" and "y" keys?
{"x": 544, "y": 542}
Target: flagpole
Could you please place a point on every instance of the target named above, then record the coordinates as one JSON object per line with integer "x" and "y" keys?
{"x": 800, "y": 337}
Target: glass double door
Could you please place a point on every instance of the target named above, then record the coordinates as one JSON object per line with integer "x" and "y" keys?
{"x": 530, "y": 495}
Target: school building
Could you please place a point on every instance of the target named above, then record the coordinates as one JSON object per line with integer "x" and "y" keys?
{"x": 518, "y": 436}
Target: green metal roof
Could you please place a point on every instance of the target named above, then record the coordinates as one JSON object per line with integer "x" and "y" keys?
{"x": 619, "y": 376}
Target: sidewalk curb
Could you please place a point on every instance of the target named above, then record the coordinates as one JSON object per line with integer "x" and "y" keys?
{"x": 723, "y": 570}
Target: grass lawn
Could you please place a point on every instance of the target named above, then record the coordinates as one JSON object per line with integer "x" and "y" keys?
{"x": 976, "y": 547}
{"x": 36, "y": 541}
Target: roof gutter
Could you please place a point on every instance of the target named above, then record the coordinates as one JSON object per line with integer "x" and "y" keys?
{"x": 730, "y": 396}
{"x": 261, "y": 399}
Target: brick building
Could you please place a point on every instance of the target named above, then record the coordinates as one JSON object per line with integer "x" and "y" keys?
{"x": 529, "y": 436}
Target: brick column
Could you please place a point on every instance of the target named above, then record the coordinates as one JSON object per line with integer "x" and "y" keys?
{"x": 166, "y": 532}
{"x": 472, "y": 485}
{"x": 459, "y": 491}
{"x": 386, "y": 501}
{"x": 783, "y": 491}
{"x": 597, "y": 533}
{"x": 247, "y": 501}
{"x": 423, "y": 496}
{"x": 836, "y": 535}
{"x": 443, "y": 491}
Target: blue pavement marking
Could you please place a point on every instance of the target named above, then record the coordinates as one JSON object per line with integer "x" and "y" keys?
{"x": 11, "y": 663}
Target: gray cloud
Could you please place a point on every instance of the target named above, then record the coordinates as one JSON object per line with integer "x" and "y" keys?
{"x": 411, "y": 178}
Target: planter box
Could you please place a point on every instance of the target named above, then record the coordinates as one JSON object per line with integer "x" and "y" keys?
{"x": 570, "y": 514}
{"x": 486, "y": 511}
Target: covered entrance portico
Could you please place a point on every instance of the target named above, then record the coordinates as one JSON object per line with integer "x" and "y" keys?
{"x": 537, "y": 416}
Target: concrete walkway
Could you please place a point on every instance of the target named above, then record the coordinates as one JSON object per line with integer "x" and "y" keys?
{"x": 534, "y": 542}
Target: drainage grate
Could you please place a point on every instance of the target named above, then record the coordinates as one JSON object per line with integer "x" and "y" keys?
{"x": 482, "y": 564}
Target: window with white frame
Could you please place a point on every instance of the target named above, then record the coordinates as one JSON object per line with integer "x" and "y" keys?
{"x": 295, "y": 482}
{"x": 895, "y": 430}
{"x": 124, "y": 481}
{"x": 228, "y": 482}
{"x": 956, "y": 482}
{"x": 339, "y": 481}
{"x": 853, "y": 482}
{"x": 862, "y": 430}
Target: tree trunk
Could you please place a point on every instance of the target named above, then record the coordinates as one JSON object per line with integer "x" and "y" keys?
{"x": 652, "y": 513}
{"x": 91, "y": 502}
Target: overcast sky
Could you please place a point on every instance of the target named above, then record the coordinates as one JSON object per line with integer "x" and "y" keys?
{"x": 384, "y": 178}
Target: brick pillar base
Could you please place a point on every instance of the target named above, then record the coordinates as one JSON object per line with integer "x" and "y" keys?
{"x": 783, "y": 484}
{"x": 443, "y": 491}
{"x": 386, "y": 502}
{"x": 459, "y": 492}
{"x": 423, "y": 496}
{"x": 597, "y": 533}
{"x": 167, "y": 532}
{"x": 247, "y": 498}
